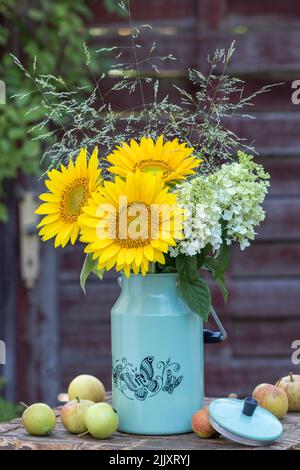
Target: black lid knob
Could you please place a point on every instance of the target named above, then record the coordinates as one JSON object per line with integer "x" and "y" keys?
{"x": 250, "y": 405}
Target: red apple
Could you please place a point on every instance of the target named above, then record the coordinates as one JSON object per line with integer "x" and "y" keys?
{"x": 72, "y": 414}
{"x": 291, "y": 385}
{"x": 201, "y": 425}
{"x": 272, "y": 398}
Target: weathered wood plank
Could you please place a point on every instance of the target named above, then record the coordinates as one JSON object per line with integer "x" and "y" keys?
{"x": 211, "y": 13}
{"x": 246, "y": 293}
{"x": 8, "y": 279}
{"x": 161, "y": 12}
{"x": 266, "y": 259}
{"x": 267, "y": 14}
{"x": 282, "y": 219}
{"x": 241, "y": 374}
{"x": 255, "y": 51}
{"x": 96, "y": 305}
{"x": 264, "y": 338}
{"x": 229, "y": 13}
{"x": 71, "y": 259}
{"x": 73, "y": 364}
{"x": 268, "y": 298}
{"x": 285, "y": 175}
{"x": 181, "y": 44}
{"x": 272, "y": 134}
{"x": 13, "y": 436}
{"x": 48, "y": 326}
{"x": 278, "y": 99}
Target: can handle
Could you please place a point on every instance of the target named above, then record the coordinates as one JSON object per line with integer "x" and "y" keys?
{"x": 210, "y": 336}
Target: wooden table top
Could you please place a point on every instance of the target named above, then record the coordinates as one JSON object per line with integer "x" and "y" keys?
{"x": 14, "y": 437}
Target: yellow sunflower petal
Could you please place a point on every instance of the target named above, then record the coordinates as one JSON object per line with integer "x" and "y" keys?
{"x": 173, "y": 160}
{"x": 135, "y": 250}
{"x": 70, "y": 189}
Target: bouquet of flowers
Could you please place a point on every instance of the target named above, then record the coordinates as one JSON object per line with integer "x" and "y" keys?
{"x": 157, "y": 215}
{"x": 164, "y": 187}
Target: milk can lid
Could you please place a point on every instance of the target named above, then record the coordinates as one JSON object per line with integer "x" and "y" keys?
{"x": 244, "y": 421}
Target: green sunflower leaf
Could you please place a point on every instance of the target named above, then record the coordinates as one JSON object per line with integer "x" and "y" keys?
{"x": 89, "y": 266}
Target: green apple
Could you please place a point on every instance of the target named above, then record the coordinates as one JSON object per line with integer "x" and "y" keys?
{"x": 291, "y": 385}
{"x": 86, "y": 387}
{"x": 72, "y": 414}
{"x": 39, "y": 419}
{"x": 101, "y": 420}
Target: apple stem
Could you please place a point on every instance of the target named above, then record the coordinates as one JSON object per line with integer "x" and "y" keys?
{"x": 23, "y": 404}
{"x": 77, "y": 398}
{"x": 83, "y": 434}
{"x": 291, "y": 376}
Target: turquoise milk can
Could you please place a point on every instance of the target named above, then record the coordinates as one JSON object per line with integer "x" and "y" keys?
{"x": 157, "y": 356}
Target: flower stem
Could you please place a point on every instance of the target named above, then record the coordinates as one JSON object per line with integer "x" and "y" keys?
{"x": 23, "y": 404}
{"x": 152, "y": 268}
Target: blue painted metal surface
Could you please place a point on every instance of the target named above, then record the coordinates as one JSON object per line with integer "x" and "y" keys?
{"x": 157, "y": 349}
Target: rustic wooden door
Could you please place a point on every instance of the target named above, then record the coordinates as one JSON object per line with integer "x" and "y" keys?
{"x": 55, "y": 332}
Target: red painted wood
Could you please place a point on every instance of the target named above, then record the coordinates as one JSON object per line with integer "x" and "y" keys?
{"x": 272, "y": 13}
{"x": 264, "y": 280}
{"x": 211, "y": 13}
{"x": 256, "y": 52}
{"x": 285, "y": 175}
{"x": 276, "y": 100}
{"x": 266, "y": 259}
{"x": 264, "y": 298}
{"x": 77, "y": 364}
{"x": 272, "y": 134}
{"x": 71, "y": 259}
{"x": 282, "y": 220}
{"x": 262, "y": 313}
{"x": 94, "y": 306}
{"x": 160, "y": 12}
{"x": 119, "y": 99}
{"x": 264, "y": 338}
{"x": 230, "y": 375}
{"x": 180, "y": 44}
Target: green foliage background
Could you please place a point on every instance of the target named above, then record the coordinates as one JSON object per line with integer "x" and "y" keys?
{"x": 53, "y": 32}
{"x": 8, "y": 410}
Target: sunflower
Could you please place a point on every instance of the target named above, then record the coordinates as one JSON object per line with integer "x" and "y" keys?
{"x": 131, "y": 222}
{"x": 172, "y": 159}
{"x": 69, "y": 191}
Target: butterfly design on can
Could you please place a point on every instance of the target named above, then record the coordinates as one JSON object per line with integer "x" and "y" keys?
{"x": 172, "y": 382}
{"x": 142, "y": 381}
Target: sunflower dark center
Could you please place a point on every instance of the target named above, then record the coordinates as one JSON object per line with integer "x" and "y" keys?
{"x": 73, "y": 198}
{"x": 154, "y": 166}
{"x": 135, "y": 225}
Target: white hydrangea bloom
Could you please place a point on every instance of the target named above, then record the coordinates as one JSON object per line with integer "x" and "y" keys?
{"x": 230, "y": 198}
